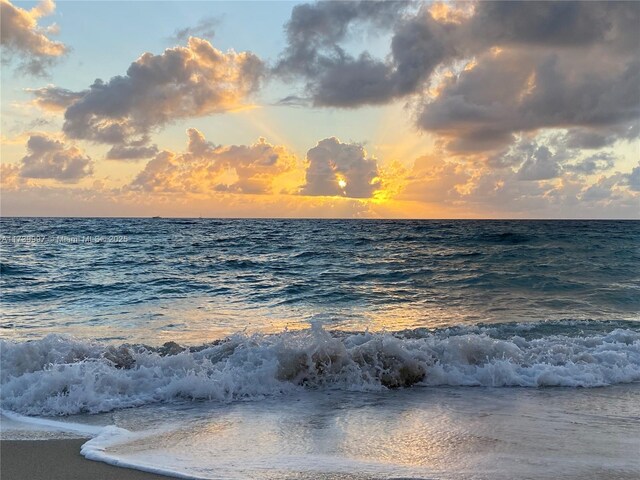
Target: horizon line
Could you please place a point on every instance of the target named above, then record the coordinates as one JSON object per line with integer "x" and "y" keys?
{"x": 321, "y": 218}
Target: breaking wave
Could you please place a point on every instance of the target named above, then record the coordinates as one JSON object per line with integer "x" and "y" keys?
{"x": 60, "y": 375}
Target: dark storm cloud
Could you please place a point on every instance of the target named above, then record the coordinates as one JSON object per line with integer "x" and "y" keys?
{"x": 340, "y": 169}
{"x": 52, "y": 159}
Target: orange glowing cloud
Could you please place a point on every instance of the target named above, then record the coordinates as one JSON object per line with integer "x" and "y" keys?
{"x": 209, "y": 169}
{"x": 451, "y": 13}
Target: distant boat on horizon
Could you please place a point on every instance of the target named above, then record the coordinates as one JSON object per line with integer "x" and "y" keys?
{"x": 157, "y": 216}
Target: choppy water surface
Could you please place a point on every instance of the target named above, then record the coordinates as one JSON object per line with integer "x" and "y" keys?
{"x": 195, "y": 280}
{"x": 327, "y": 349}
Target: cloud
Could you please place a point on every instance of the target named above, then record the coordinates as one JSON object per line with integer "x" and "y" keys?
{"x": 63, "y": 200}
{"x": 595, "y": 163}
{"x": 516, "y": 91}
{"x": 182, "y": 82}
{"x": 335, "y": 78}
{"x": 340, "y": 169}
{"x": 21, "y": 37}
{"x": 133, "y": 151}
{"x": 633, "y": 179}
{"x": 529, "y": 66}
{"x": 537, "y": 176}
{"x": 10, "y": 177}
{"x": 604, "y": 189}
{"x": 54, "y": 98}
{"x": 317, "y": 28}
{"x": 540, "y": 165}
{"x": 435, "y": 180}
{"x": 554, "y": 24}
{"x": 205, "y": 28}
{"x": 293, "y": 101}
{"x": 545, "y": 157}
{"x": 208, "y": 168}
{"x": 534, "y": 69}
{"x": 49, "y": 158}
{"x": 339, "y": 79}
{"x": 599, "y": 137}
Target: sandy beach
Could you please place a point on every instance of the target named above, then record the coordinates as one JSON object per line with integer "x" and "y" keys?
{"x": 58, "y": 460}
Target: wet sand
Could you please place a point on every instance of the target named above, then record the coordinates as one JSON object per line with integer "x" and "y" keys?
{"x": 58, "y": 460}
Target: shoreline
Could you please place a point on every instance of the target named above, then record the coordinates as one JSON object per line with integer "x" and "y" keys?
{"x": 59, "y": 459}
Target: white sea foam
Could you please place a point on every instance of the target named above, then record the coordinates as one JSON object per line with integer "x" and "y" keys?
{"x": 97, "y": 449}
{"x": 59, "y": 375}
{"x": 45, "y": 424}
{"x": 446, "y": 433}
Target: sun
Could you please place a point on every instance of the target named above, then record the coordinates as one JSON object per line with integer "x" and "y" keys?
{"x": 342, "y": 183}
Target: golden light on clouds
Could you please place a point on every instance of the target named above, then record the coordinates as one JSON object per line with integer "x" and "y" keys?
{"x": 451, "y": 13}
{"x": 462, "y": 119}
{"x": 22, "y": 32}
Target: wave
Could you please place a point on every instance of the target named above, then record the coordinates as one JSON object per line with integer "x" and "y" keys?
{"x": 60, "y": 375}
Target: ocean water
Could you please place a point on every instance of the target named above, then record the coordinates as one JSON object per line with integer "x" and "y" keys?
{"x": 326, "y": 348}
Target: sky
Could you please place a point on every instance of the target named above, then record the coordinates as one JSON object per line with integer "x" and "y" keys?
{"x": 357, "y": 109}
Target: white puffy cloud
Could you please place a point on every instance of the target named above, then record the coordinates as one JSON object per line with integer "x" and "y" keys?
{"x": 342, "y": 169}
{"x": 21, "y": 36}
{"x": 49, "y": 158}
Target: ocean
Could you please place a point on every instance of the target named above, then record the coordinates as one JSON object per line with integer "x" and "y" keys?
{"x": 211, "y": 348}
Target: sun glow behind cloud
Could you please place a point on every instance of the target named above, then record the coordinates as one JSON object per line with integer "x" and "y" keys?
{"x": 505, "y": 117}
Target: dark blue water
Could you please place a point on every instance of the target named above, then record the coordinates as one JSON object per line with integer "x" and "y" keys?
{"x": 199, "y": 279}
{"x": 271, "y": 373}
